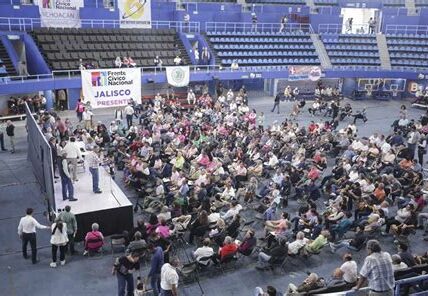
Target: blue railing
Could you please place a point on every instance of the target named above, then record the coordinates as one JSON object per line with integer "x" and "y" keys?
{"x": 407, "y": 29}
{"x": 259, "y": 27}
{"x": 342, "y": 28}
{"x": 71, "y": 74}
{"x": 28, "y": 24}
{"x": 398, "y": 285}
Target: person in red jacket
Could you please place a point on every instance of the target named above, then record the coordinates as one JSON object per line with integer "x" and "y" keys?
{"x": 229, "y": 248}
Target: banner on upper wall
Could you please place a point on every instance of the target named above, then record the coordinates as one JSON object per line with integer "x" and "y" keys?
{"x": 105, "y": 88}
{"x": 60, "y": 13}
{"x": 312, "y": 73}
{"x": 178, "y": 76}
{"x": 135, "y": 13}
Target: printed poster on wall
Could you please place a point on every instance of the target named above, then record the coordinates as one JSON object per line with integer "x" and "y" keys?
{"x": 178, "y": 76}
{"x": 60, "y": 13}
{"x": 135, "y": 13}
{"x": 105, "y": 88}
{"x": 312, "y": 73}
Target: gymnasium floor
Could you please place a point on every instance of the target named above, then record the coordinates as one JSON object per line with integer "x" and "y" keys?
{"x": 92, "y": 276}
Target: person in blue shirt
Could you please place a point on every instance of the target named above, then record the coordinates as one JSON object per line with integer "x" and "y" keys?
{"x": 155, "y": 268}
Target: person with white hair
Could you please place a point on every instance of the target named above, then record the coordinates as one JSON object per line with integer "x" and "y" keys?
{"x": 94, "y": 240}
{"x": 312, "y": 282}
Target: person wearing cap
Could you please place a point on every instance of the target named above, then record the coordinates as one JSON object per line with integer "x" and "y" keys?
{"x": 93, "y": 162}
{"x": 377, "y": 270}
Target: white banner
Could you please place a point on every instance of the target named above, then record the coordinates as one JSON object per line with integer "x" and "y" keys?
{"x": 178, "y": 76}
{"x": 60, "y": 13}
{"x": 135, "y": 13}
{"x": 105, "y": 88}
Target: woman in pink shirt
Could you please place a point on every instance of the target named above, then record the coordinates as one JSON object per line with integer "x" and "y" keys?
{"x": 163, "y": 229}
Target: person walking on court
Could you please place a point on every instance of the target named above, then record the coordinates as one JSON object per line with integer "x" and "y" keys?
{"x": 66, "y": 183}
{"x": 27, "y": 232}
{"x": 69, "y": 219}
{"x": 93, "y": 162}
{"x": 59, "y": 241}
{"x": 276, "y": 103}
{"x": 10, "y": 132}
{"x": 2, "y": 130}
{"x": 123, "y": 268}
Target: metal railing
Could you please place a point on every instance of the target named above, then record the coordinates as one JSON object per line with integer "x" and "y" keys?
{"x": 407, "y": 29}
{"x": 258, "y": 27}
{"x": 359, "y": 29}
{"x": 28, "y": 24}
{"x": 69, "y": 74}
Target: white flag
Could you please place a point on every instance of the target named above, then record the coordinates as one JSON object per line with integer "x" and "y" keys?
{"x": 178, "y": 76}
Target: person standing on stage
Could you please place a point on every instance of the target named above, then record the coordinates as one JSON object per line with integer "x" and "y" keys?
{"x": 66, "y": 183}
{"x": 93, "y": 162}
{"x": 73, "y": 155}
{"x": 70, "y": 220}
{"x": 27, "y": 232}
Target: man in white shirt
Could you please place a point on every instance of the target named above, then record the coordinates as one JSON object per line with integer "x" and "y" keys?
{"x": 129, "y": 113}
{"x": 93, "y": 162}
{"x": 87, "y": 118}
{"x": 204, "y": 252}
{"x": 27, "y": 232}
{"x": 349, "y": 269}
{"x": 234, "y": 210}
{"x": 73, "y": 155}
{"x": 177, "y": 61}
{"x": 191, "y": 98}
{"x": 169, "y": 278}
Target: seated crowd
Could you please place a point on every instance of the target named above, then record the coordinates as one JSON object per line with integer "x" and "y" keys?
{"x": 204, "y": 177}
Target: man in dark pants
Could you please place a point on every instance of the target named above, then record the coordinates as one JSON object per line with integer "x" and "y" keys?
{"x": 2, "y": 129}
{"x": 68, "y": 218}
{"x": 66, "y": 183}
{"x": 27, "y": 232}
{"x": 93, "y": 162}
{"x": 155, "y": 268}
{"x": 276, "y": 104}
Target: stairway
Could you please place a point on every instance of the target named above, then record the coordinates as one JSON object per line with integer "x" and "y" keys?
{"x": 385, "y": 61}
{"x": 411, "y": 7}
{"x": 5, "y": 60}
{"x": 321, "y": 51}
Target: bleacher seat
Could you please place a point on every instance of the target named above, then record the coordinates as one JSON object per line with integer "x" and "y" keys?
{"x": 394, "y": 3}
{"x": 282, "y": 2}
{"x": 264, "y": 48}
{"x": 63, "y": 48}
{"x": 408, "y": 51}
{"x": 350, "y": 50}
